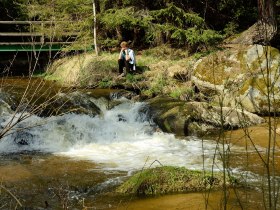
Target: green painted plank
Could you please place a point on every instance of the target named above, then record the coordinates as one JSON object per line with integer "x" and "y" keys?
{"x": 29, "y": 48}
{"x": 38, "y": 48}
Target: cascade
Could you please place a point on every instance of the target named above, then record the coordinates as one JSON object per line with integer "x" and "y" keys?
{"x": 121, "y": 138}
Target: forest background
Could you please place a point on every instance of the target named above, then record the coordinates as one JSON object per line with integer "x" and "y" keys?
{"x": 191, "y": 25}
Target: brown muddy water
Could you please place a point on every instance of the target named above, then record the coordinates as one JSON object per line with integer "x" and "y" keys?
{"x": 76, "y": 161}
{"x": 47, "y": 181}
{"x": 54, "y": 182}
{"x": 254, "y": 148}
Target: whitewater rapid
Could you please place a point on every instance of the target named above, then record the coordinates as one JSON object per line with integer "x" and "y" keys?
{"x": 122, "y": 138}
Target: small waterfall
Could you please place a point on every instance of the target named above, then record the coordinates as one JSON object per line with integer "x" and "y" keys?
{"x": 121, "y": 138}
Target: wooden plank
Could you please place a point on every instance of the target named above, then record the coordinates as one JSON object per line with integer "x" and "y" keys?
{"x": 33, "y": 22}
{"x": 33, "y": 43}
{"x": 29, "y": 48}
{"x": 20, "y": 34}
{"x": 26, "y": 22}
{"x": 34, "y": 34}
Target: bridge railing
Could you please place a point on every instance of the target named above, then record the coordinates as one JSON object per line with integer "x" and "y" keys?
{"x": 35, "y": 32}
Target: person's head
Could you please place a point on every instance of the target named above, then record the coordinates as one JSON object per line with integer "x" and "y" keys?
{"x": 124, "y": 45}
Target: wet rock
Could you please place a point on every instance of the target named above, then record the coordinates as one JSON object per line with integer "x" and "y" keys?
{"x": 4, "y": 108}
{"x": 197, "y": 118}
{"x": 23, "y": 138}
{"x": 122, "y": 94}
{"x": 74, "y": 102}
{"x": 7, "y": 103}
{"x": 121, "y": 118}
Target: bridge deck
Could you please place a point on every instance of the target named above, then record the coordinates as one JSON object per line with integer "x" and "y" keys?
{"x": 40, "y": 45}
{"x": 30, "y": 48}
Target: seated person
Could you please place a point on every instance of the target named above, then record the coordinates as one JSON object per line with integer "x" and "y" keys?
{"x": 127, "y": 62}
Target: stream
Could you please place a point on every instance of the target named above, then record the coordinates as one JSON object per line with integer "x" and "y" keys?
{"x": 76, "y": 160}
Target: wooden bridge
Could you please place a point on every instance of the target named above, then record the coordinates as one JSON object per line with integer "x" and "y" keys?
{"x": 34, "y": 37}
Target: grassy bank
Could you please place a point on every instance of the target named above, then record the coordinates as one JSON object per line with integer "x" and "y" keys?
{"x": 160, "y": 71}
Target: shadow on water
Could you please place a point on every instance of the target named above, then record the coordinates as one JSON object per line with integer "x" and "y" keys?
{"x": 43, "y": 180}
{"x": 22, "y": 63}
{"x": 30, "y": 62}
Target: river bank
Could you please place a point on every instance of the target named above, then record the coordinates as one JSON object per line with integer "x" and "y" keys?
{"x": 54, "y": 153}
{"x": 234, "y": 76}
{"x": 107, "y": 135}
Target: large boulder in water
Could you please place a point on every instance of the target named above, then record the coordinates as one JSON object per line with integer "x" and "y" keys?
{"x": 197, "y": 118}
{"x": 74, "y": 102}
{"x": 241, "y": 76}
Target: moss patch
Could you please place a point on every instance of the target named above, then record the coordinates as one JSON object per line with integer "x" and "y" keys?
{"x": 168, "y": 179}
{"x": 218, "y": 67}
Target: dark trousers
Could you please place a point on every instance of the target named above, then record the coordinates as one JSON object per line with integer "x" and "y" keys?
{"x": 124, "y": 66}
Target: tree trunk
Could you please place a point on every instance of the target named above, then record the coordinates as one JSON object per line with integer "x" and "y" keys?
{"x": 94, "y": 27}
{"x": 119, "y": 33}
{"x": 264, "y": 30}
{"x": 267, "y": 19}
{"x": 266, "y": 11}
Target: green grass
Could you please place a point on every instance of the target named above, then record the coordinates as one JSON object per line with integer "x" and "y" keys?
{"x": 169, "y": 179}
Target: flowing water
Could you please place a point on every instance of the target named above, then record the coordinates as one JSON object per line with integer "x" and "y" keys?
{"x": 77, "y": 160}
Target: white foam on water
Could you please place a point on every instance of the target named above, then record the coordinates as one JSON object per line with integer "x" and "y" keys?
{"x": 133, "y": 155}
{"x": 119, "y": 139}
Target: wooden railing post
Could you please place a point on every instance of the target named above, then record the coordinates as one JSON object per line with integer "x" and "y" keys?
{"x": 42, "y": 39}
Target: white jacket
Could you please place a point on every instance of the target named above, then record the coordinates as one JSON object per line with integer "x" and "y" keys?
{"x": 132, "y": 58}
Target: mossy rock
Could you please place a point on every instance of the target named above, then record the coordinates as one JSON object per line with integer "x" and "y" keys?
{"x": 240, "y": 75}
{"x": 74, "y": 102}
{"x": 197, "y": 118}
{"x": 169, "y": 179}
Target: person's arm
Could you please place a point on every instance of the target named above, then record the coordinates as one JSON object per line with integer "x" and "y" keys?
{"x": 120, "y": 55}
{"x": 131, "y": 56}
{"x": 127, "y": 56}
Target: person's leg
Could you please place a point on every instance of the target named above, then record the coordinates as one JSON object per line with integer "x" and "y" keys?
{"x": 128, "y": 67}
{"x": 131, "y": 68}
{"x": 121, "y": 65}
